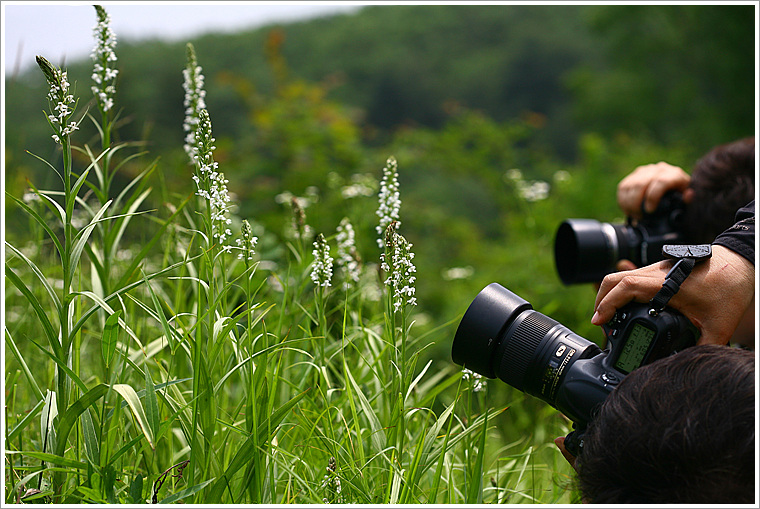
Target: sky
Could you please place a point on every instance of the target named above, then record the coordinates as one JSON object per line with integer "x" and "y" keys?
{"x": 62, "y": 31}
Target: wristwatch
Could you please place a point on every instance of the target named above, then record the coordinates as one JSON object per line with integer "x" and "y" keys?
{"x": 686, "y": 256}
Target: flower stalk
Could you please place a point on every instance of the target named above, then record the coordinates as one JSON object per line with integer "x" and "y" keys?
{"x": 104, "y": 72}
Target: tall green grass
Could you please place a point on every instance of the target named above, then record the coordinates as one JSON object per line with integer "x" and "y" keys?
{"x": 191, "y": 368}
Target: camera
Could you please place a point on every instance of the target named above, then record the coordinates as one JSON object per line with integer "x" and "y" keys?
{"x": 586, "y": 250}
{"x": 501, "y": 335}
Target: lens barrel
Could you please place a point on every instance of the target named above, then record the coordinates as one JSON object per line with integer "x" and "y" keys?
{"x": 502, "y": 336}
{"x": 482, "y": 326}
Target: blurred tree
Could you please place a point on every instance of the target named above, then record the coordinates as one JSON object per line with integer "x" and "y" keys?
{"x": 682, "y": 74}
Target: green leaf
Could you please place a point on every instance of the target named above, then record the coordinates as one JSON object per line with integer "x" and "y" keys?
{"x": 122, "y": 222}
{"x": 151, "y": 404}
{"x": 23, "y": 423}
{"x": 47, "y": 327}
{"x": 75, "y": 190}
{"x": 91, "y": 447}
{"x": 137, "y": 259}
{"x": 168, "y": 331}
{"x": 186, "y": 493}
{"x": 53, "y": 459}
{"x": 130, "y": 396}
{"x": 24, "y": 367}
{"x": 136, "y": 490}
{"x": 74, "y": 411}
{"x": 40, "y": 221}
{"x": 110, "y": 337}
{"x": 377, "y": 433}
{"x": 84, "y": 235}
{"x": 63, "y": 366}
{"x": 49, "y": 412}
{"x": 245, "y": 452}
{"x": 476, "y": 478}
{"x": 206, "y": 402}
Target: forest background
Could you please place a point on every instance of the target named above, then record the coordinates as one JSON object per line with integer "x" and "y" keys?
{"x": 504, "y": 120}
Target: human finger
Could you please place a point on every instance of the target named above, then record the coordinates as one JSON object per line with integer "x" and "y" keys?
{"x": 623, "y": 265}
{"x": 560, "y": 443}
{"x": 668, "y": 178}
{"x": 617, "y": 292}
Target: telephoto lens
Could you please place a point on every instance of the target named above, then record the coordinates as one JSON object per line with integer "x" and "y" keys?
{"x": 586, "y": 250}
{"x": 501, "y": 336}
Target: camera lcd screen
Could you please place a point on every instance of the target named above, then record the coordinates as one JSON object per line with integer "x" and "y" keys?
{"x": 635, "y": 348}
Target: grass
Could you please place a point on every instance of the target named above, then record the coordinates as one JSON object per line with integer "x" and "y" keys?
{"x": 172, "y": 370}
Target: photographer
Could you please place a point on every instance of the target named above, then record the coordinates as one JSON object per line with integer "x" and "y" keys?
{"x": 718, "y": 297}
{"x": 678, "y": 430}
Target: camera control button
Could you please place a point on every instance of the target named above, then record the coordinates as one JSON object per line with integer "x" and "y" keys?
{"x": 610, "y": 379}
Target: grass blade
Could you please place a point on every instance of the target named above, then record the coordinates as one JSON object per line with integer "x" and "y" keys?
{"x": 24, "y": 367}
{"x": 110, "y": 337}
{"x": 186, "y": 492}
{"x": 130, "y": 396}
{"x": 74, "y": 411}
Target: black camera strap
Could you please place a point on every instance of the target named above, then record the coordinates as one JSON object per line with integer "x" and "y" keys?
{"x": 686, "y": 258}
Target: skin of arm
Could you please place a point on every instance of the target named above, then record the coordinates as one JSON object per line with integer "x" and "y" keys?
{"x": 715, "y": 297}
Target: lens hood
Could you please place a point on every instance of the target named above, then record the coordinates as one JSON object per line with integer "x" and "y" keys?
{"x": 585, "y": 250}
{"x": 481, "y": 328}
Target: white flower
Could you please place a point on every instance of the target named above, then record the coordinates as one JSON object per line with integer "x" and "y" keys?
{"x": 478, "y": 384}
{"x": 194, "y": 100}
{"x": 389, "y": 201}
{"x": 211, "y": 184}
{"x": 458, "y": 273}
{"x": 535, "y": 190}
{"x": 247, "y": 242}
{"x": 103, "y": 73}
{"x": 321, "y": 267}
{"x": 347, "y": 255}
{"x": 60, "y": 97}
{"x": 400, "y": 270}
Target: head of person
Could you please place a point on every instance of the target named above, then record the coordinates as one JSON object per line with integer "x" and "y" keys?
{"x": 722, "y": 181}
{"x": 679, "y": 430}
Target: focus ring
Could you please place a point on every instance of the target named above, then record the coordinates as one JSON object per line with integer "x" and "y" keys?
{"x": 521, "y": 347}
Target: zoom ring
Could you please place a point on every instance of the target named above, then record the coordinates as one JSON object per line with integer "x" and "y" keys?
{"x": 521, "y": 348}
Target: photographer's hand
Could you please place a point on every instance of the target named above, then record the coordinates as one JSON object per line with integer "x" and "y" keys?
{"x": 647, "y": 184}
{"x": 715, "y": 297}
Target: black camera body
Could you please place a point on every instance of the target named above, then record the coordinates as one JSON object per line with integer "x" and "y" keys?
{"x": 586, "y": 250}
{"x": 500, "y": 335}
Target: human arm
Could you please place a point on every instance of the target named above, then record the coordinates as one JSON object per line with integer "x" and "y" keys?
{"x": 715, "y": 297}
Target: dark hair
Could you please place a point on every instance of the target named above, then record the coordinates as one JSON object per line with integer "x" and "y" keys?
{"x": 679, "y": 430}
{"x": 723, "y": 181}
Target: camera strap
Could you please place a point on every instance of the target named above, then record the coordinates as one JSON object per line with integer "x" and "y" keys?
{"x": 686, "y": 258}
